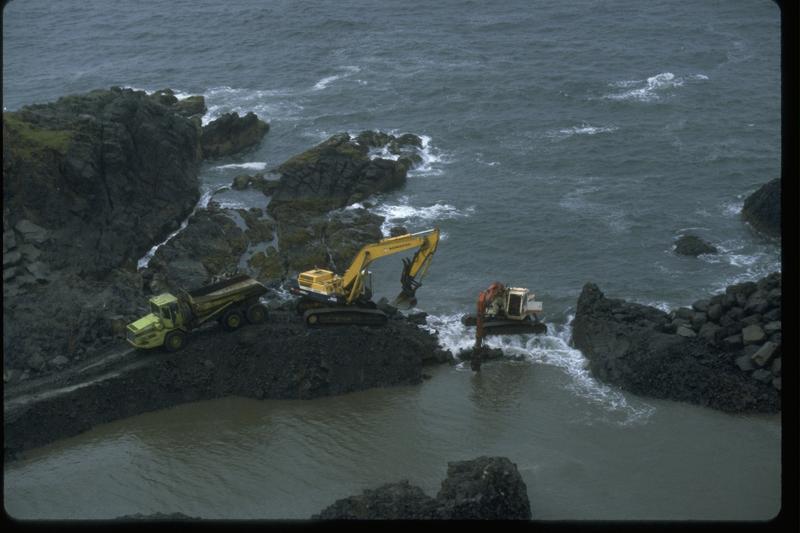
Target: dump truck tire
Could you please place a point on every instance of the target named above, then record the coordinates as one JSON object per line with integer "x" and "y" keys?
{"x": 174, "y": 341}
{"x": 232, "y": 320}
{"x": 256, "y": 314}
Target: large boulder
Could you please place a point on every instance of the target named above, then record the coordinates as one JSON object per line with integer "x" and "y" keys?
{"x": 231, "y": 134}
{"x": 485, "y": 488}
{"x": 90, "y": 182}
{"x": 681, "y": 355}
{"x": 693, "y": 245}
{"x": 762, "y": 209}
{"x": 334, "y": 174}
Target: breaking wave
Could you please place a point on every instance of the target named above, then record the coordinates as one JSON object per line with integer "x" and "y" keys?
{"x": 552, "y": 349}
{"x": 583, "y": 129}
{"x": 650, "y": 89}
{"x": 324, "y": 82}
{"x": 405, "y": 214}
{"x": 254, "y": 165}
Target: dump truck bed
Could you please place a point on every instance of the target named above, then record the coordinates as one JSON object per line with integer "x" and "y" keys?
{"x": 238, "y": 288}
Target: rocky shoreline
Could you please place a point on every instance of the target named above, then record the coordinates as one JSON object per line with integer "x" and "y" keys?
{"x": 724, "y": 352}
{"x": 92, "y": 181}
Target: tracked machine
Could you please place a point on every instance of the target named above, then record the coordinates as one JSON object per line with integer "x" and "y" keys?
{"x": 327, "y": 298}
{"x": 503, "y": 310}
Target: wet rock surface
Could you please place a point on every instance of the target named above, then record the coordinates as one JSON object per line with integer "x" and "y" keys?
{"x": 724, "y": 352}
{"x": 762, "y": 209}
{"x": 231, "y": 134}
{"x": 280, "y": 359}
{"x": 485, "y": 488}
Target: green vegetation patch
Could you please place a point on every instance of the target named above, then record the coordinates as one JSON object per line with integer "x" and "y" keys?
{"x": 28, "y": 140}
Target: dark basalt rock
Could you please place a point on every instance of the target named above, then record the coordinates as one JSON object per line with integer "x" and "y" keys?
{"x": 334, "y": 174}
{"x": 231, "y": 134}
{"x": 686, "y": 355}
{"x": 693, "y": 245}
{"x": 84, "y": 196}
{"x": 485, "y": 488}
{"x": 762, "y": 209}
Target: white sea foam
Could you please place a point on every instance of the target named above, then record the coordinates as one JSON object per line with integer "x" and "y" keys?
{"x": 403, "y": 213}
{"x": 552, "y": 349}
{"x": 201, "y": 204}
{"x": 267, "y": 104}
{"x": 651, "y": 88}
{"x": 583, "y": 129}
{"x": 324, "y": 82}
{"x": 254, "y": 165}
{"x": 431, "y": 157}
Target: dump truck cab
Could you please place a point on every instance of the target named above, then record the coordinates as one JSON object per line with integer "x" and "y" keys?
{"x": 165, "y": 315}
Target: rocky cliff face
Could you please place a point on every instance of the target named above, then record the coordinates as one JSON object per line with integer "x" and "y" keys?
{"x": 723, "y": 352}
{"x": 485, "y": 488}
{"x": 89, "y": 183}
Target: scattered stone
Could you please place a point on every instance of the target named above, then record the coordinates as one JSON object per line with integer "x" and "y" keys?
{"x": 765, "y": 353}
{"x": 745, "y": 363}
{"x": 734, "y": 341}
{"x": 772, "y": 327}
{"x": 684, "y": 331}
{"x": 31, "y": 232}
{"x": 764, "y": 376}
{"x": 59, "y": 361}
{"x": 776, "y": 383}
{"x": 753, "y": 334}
{"x": 776, "y": 366}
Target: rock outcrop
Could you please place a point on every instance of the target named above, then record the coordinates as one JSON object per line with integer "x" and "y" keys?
{"x": 485, "y": 488}
{"x": 231, "y": 134}
{"x": 89, "y": 183}
{"x": 693, "y": 245}
{"x": 762, "y": 209}
{"x": 314, "y": 188}
{"x": 723, "y": 352}
{"x": 280, "y": 359}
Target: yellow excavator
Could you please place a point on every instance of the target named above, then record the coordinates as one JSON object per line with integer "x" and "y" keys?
{"x": 327, "y": 298}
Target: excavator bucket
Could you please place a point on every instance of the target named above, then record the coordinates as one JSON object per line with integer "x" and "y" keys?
{"x": 407, "y": 297}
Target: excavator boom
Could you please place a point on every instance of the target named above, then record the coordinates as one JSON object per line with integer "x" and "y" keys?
{"x": 334, "y": 299}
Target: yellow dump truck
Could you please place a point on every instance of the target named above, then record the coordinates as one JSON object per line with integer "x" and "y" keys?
{"x": 171, "y": 318}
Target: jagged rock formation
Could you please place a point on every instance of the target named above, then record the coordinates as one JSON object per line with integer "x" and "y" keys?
{"x": 84, "y": 196}
{"x": 280, "y": 359}
{"x": 485, "y": 488}
{"x": 762, "y": 209}
{"x": 724, "y": 352}
{"x": 231, "y": 134}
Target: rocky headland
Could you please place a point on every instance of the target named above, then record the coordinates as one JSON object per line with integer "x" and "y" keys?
{"x": 722, "y": 352}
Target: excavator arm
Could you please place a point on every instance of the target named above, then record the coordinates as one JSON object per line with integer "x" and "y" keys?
{"x": 413, "y": 269}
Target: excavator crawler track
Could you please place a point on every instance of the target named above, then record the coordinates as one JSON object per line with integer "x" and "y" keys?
{"x": 344, "y": 316}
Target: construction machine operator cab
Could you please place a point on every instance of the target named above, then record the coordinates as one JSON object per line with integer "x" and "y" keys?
{"x": 165, "y": 307}
{"x": 517, "y": 301}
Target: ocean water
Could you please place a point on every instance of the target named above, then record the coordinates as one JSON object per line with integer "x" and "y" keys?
{"x": 564, "y": 142}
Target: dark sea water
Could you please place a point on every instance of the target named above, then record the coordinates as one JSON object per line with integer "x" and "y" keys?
{"x": 565, "y": 142}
